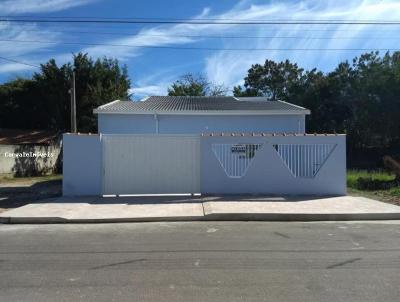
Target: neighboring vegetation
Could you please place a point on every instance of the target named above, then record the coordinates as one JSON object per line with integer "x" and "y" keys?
{"x": 196, "y": 85}
{"x": 43, "y": 102}
{"x": 35, "y": 179}
{"x": 379, "y": 185}
{"x": 360, "y": 98}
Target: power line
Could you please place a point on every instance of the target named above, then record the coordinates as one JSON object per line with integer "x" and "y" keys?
{"x": 196, "y": 21}
{"x": 175, "y": 19}
{"x": 19, "y": 62}
{"x": 200, "y": 48}
{"x": 214, "y": 36}
{"x": 129, "y": 27}
{"x": 161, "y": 19}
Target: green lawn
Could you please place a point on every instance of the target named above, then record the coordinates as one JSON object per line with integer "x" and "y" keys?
{"x": 378, "y": 185}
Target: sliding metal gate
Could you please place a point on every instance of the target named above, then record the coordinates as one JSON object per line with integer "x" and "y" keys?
{"x": 150, "y": 164}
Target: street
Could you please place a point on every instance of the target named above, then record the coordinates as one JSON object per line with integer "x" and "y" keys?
{"x": 201, "y": 261}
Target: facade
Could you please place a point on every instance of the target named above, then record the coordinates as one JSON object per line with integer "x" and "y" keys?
{"x": 207, "y": 145}
{"x": 196, "y": 115}
{"x": 29, "y": 152}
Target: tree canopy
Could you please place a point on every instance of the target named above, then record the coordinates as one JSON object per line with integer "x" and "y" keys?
{"x": 43, "y": 102}
{"x": 361, "y": 98}
{"x": 195, "y": 85}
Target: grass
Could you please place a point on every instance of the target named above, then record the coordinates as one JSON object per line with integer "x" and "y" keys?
{"x": 362, "y": 183}
{"x": 354, "y": 175}
{"x": 11, "y": 179}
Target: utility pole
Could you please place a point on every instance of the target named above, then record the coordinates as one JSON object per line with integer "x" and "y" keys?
{"x": 73, "y": 104}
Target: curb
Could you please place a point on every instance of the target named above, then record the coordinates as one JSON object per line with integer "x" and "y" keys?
{"x": 59, "y": 220}
{"x": 304, "y": 217}
{"x": 301, "y": 217}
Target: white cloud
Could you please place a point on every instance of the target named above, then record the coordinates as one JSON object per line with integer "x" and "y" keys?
{"x": 14, "y": 67}
{"x": 23, "y": 51}
{"x": 35, "y": 6}
{"x": 143, "y": 91}
{"x": 230, "y": 67}
{"x": 24, "y": 32}
{"x": 147, "y": 37}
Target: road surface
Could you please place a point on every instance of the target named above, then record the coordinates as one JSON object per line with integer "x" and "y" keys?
{"x": 201, "y": 261}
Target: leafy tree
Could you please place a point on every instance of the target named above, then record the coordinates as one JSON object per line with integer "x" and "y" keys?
{"x": 360, "y": 99}
{"x": 43, "y": 102}
{"x": 195, "y": 85}
{"x": 18, "y": 104}
{"x": 274, "y": 80}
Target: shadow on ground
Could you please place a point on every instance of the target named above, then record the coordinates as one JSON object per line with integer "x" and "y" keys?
{"x": 13, "y": 195}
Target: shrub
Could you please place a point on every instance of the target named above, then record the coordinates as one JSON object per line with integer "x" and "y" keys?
{"x": 375, "y": 180}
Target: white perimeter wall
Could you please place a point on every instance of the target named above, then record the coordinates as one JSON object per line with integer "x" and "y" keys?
{"x": 81, "y": 165}
{"x": 197, "y": 124}
{"x": 267, "y": 173}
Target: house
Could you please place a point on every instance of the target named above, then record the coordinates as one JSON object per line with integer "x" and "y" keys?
{"x": 196, "y": 115}
{"x": 29, "y": 152}
{"x": 207, "y": 145}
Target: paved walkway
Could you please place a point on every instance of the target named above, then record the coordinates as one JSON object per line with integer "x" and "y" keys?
{"x": 120, "y": 209}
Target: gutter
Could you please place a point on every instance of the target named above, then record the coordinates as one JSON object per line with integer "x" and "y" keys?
{"x": 157, "y": 124}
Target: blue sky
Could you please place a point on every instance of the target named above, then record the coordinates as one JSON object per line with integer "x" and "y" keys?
{"x": 153, "y": 70}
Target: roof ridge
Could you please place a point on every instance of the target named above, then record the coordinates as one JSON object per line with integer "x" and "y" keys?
{"x": 107, "y": 104}
{"x": 294, "y": 105}
{"x": 201, "y": 105}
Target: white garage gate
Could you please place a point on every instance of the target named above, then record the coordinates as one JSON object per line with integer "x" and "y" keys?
{"x": 150, "y": 164}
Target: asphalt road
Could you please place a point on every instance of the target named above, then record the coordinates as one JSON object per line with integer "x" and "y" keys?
{"x": 201, "y": 261}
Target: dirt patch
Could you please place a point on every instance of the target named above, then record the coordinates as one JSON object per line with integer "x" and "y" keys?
{"x": 381, "y": 195}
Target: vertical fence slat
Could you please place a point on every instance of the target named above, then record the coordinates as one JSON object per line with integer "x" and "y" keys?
{"x": 304, "y": 160}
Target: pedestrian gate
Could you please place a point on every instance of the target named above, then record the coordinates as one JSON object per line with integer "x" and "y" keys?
{"x": 150, "y": 164}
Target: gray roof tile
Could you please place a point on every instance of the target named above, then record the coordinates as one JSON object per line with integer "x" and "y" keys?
{"x": 191, "y": 103}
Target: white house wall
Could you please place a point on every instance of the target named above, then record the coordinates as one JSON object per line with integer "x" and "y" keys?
{"x": 197, "y": 124}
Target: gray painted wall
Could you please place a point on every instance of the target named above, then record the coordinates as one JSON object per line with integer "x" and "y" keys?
{"x": 268, "y": 174}
{"x": 81, "y": 165}
{"x": 196, "y": 124}
{"x": 28, "y": 159}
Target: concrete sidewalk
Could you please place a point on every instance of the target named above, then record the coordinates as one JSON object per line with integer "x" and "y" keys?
{"x": 134, "y": 209}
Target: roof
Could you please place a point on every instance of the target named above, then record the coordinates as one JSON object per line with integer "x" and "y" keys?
{"x": 201, "y": 105}
{"x": 27, "y": 137}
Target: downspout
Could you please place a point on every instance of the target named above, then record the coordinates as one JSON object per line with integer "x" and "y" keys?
{"x": 156, "y": 119}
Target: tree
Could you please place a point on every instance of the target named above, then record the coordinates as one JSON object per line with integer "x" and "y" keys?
{"x": 274, "y": 80}
{"x": 43, "y": 102}
{"x": 360, "y": 99}
{"x": 195, "y": 85}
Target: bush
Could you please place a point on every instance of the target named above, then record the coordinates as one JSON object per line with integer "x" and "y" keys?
{"x": 370, "y": 184}
{"x": 371, "y": 180}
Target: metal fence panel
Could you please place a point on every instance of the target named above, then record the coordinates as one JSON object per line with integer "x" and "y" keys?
{"x": 151, "y": 164}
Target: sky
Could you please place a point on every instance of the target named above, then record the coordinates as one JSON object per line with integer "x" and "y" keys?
{"x": 152, "y": 70}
